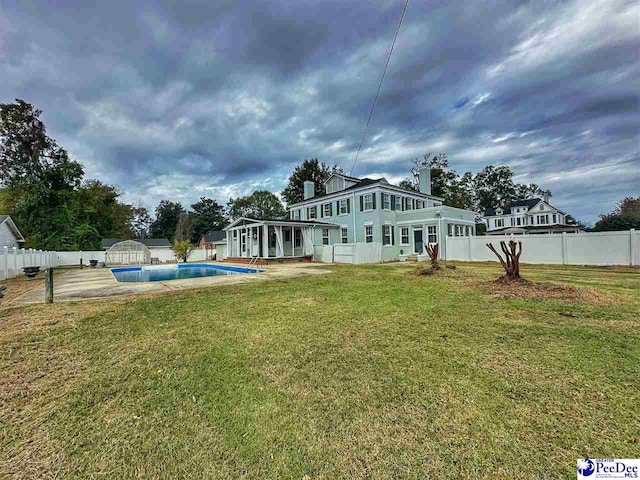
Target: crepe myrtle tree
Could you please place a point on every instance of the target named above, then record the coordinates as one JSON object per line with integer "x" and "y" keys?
{"x": 432, "y": 251}
{"x": 511, "y": 262}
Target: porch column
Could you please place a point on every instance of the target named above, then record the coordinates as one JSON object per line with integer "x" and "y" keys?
{"x": 279, "y": 243}
{"x": 265, "y": 241}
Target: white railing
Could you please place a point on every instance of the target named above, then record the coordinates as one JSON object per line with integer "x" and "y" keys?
{"x": 13, "y": 260}
{"x": 592, "y": 248}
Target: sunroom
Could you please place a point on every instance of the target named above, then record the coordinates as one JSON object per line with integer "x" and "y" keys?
{"x": 271, "y": 239}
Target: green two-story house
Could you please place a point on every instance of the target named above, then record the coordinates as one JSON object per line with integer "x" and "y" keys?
{"x": 354, "y": 221}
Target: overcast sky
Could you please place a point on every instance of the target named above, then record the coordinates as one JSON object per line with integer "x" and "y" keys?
{"x": 217, "y": 98}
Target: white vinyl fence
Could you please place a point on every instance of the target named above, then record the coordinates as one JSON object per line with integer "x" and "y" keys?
{"x": 13, "y": 259}
{"x": 348, "y": 253}
{"x": 597, "y": 248}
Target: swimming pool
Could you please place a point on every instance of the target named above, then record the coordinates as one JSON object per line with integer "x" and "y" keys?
{"x": 162, "y": 273}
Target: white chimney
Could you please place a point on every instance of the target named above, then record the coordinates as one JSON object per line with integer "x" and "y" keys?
{"x": 309, "y": 189}
{"x": 424, "y": 180}
{"x": 546, "y": 196}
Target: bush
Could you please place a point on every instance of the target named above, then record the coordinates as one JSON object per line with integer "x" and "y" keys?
{"x": 182, "y": 249}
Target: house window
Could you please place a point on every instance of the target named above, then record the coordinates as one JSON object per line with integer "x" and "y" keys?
{"x": 296, "y": 214}
{"x": 404, "y": 235}
{"x": 297, "y": 238}
{"x": 287, "y": 235}
{"x": 344, "y": 235}
{"x": 235, "y": 234}
{"x": 325, "y": 236}
{"x": 499, "y": 222}
{"x": 518, "y": 221}
{"x": 469, "y": 231}
{"x": 344, "y": 206}
{"x": 311, "y": 213}
{"x": 326, "y": 210}
{"x": 368, "y": 233}
{"x": 554, "y": 218}
{"x": 419, "y": 203}
{"x": 436, "y": 204}
{"x": 368, "y": 201}
{"x": 408, "y": 203}
{"x": 543, "y": 219}
{"x": 450, "y": 230}
{"x": 386, "y": 201}
{"x": 386, "y": 234}
{"x": 272, "y": 239}
{"x": 432, "y": 236}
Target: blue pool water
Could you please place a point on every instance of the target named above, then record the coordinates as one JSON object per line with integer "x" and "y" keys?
{"x": 175, "y": 272}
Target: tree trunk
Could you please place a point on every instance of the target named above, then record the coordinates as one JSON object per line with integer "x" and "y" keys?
{"x": 432, "y": 251}
{"x": 511, "y": 261}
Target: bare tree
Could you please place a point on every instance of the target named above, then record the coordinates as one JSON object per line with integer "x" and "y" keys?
{"x": 432, "y": 251}
{"x": 511, "y": 262}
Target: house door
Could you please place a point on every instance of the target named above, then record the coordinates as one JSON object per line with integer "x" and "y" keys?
{"x": 418, "y": 243}
{"x": 243, "y": 244}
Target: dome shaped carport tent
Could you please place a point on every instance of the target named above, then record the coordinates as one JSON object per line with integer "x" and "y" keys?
{"x": 128, "y": 252}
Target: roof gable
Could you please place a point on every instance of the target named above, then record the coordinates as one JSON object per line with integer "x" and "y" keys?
{"x": 12, "y": 226}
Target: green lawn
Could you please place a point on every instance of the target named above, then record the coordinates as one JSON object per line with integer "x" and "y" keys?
{"x": 367, "y": 372}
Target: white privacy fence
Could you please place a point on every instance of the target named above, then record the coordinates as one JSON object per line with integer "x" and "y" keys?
{"x": 597, "y": 248}
{"x": 13, "y": 260}
{"x": 348, "y": 253}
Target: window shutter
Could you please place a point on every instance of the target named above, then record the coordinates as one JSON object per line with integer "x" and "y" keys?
{"x": 348, "y": 205}
{"x": 393, "y": 235}
{"x": 315, "y": 209}
{"x": 361, "y": 202}
{"x": 331, "y": 209}
{"x": 373, "y": 198}
{"x": 393, "y": 202}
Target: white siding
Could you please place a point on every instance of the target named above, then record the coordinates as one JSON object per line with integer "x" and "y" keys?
{"x": 7, "y": 238}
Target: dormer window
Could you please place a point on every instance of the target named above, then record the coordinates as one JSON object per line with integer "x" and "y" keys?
{"x": 499, "y": 211}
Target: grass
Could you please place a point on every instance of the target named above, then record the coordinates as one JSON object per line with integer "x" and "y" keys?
{"x": 368, "y": 372}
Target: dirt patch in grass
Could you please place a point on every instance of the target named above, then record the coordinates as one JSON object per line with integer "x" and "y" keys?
{"x": 528, "y": 290}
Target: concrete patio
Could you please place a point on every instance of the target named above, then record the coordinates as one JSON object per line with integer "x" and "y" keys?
{"x": 93, "y": 283}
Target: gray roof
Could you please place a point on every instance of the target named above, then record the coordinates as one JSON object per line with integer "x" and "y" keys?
{"x": 3, "y": 218}
{"x": 214, "y": 236}
{"x": 13, "y": 227}
{"x": 529, "y": 202}
{"x": 148, "y": 242}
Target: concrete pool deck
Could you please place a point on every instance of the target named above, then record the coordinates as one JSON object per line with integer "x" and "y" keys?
{"x": 95, "y": 283}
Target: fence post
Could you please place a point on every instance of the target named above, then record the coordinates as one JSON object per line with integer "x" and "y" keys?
{"x": 564, "y": 248}
{"x": 5, "y": 271}
{"x": 15, "y": 260}
{"x": 634, "y": 252}
{"x": 48, "y": 286}
{"x": 470, "y": 249}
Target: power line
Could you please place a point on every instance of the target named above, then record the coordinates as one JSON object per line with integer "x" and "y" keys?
{"x": 373, "y": 105}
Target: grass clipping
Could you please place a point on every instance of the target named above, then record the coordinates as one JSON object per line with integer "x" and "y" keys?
{"x": 527, "y": 290}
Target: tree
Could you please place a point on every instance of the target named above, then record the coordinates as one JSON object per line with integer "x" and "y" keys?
{"x": 445, "y": 183}
{"x": 308, "y": 170}
{"x": 511, "y": 262}
{"x": 207, "y": 215}
{"x": 182, "y": 249}
{"x": 260, "y": 204}
{"x": 490, "y": 188}
{"x": 140, "y": 222}
{"x": 28, "y": 157}
{"x": 184, "y": 228}
{"x": 625, "y": 216}
{"x": 167, "y": 216}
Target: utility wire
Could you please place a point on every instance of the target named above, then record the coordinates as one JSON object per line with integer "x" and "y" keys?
{"x": 406, "y": 3}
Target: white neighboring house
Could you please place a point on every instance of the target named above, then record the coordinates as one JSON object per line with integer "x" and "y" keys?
{"x": 10, "y": 236}
{"x": 531, "y": 216}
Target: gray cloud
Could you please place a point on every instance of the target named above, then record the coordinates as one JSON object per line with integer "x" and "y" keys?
{"x": 178, "y": 100}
